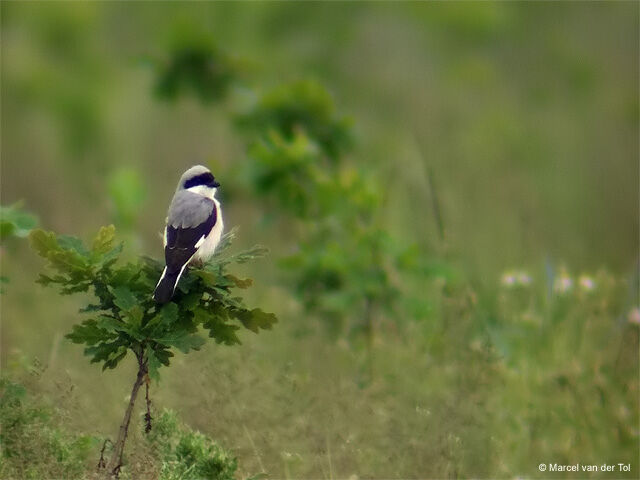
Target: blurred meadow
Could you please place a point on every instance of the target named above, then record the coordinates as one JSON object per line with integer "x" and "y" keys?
{"x": 449, "y": 193}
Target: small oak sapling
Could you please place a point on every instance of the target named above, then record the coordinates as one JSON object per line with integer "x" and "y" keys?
{"x": 124, "y": 317}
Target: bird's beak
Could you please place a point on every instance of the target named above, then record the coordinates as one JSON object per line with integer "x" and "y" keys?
{"x": 216, "y": 184}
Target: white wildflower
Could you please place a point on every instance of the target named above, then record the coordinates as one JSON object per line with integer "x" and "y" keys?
{"x": 514, "y": 278}
{"x": 563, "y": 283}
{"x": 587, "y": 283}
{"x": 508, "y": 279}
{"x": 524, "y": 279}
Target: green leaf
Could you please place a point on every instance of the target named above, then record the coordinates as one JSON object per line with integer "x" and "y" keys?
{"x": 226, "y": 241}
{"x": 206, "y": 275}
{"x": 163, "y": 355}
{"x": 6, "y": 229}
{"x": 125, "y": 275}
{"x": 68, "y": 242}
{"x": 103, "y": 351}
{"x": 238, "y": 282}
{"x": 153, "y": 365}
{"x": 65, "y": 254}
{"x": 43, "y": 242}
{"x": 166, "y": 316}
{"x": 152, "y": 265}
{"x": 88, "y": 332}
{"x": 183, "y": 341}
{"x": 214, "y": 310}
{"x": 111, "y": 256}
{"x": 124, "y": 298}
{"x": 224, "y": 333}
{"x": 68, "y": 261}
{"x": 190, "y": 301}
{"x": 111, "y": 324}
{"x": 89, "y": 308}
{"x": 103, "y": 242}
{"x": 115, "y": 358}
{"x": 255, "y": 319}
{"x": 78, "y": 287}
{"x": 134, "y": 316}
{"x": 220, "y": 331}
{"x": 257, "y": 251}
{"x": 44, "y": 280}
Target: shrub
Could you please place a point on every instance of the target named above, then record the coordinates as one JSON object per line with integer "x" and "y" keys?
{"x": 34, "y": 445}
{"x": 186, "y": 454}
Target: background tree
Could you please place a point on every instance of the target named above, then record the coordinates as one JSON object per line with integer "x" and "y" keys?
{"x": 348, "y": 270}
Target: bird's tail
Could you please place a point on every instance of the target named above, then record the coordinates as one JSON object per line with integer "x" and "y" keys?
{"x": 166, "y": 285}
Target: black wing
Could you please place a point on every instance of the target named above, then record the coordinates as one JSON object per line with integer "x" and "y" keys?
{"x": 181, "y": 242}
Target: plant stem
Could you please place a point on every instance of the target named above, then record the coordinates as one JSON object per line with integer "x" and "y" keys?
{"x": 435, "y": 203}
{"x": 368, "y": 306}
{"x": 147, "y": 416}
{"x": 113, "y": 468}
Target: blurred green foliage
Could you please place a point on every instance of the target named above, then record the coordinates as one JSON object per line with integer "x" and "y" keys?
{"x": 282, "y": 168}
{"x": 577, "y": 358}
{"x": 304, "y": 106}
{"x": 186, "y": 454}
{"x": 34, "y": 442}
{"x": 14, "y": 221}
{"x": 342, "y": 265}
{"x": 194, "y": 65}
{"x": 296, "y": 146}
{"x": 127, "y": 192}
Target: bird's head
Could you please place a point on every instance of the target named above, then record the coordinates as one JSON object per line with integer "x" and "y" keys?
{"x": 199, "y": 180}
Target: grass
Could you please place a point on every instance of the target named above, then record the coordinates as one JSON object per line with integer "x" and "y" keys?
{"x": 483, "y": 389}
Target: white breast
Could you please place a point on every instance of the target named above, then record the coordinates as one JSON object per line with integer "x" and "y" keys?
{"x": 210, "y": 243}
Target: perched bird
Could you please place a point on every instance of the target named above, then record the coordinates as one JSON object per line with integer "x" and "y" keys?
{"x": 194, "y": 227}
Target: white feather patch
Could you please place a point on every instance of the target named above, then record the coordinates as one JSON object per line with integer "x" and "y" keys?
{"x": 164, "y": 272}
{"x": 179, "y": 275}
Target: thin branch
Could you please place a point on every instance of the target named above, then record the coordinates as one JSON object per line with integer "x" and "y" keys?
{"x": 113, "y": 469}
{"x": 368, "y": 318}
{"x": 435, "y": 203}
{"x": 147, "y": 416}
{"x": 102, "y": 463}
